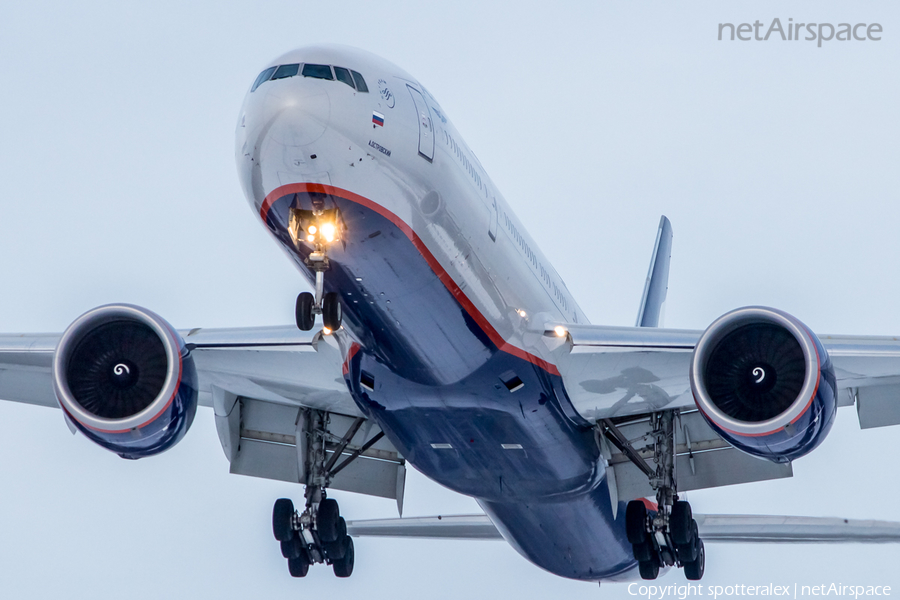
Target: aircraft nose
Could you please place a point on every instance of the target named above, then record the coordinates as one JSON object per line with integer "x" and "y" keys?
{"x": 295, "y": 112}
{"x": 280, "y": 122}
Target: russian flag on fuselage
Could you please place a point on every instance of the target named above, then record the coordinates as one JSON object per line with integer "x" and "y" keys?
{"x": 378, "y": 118}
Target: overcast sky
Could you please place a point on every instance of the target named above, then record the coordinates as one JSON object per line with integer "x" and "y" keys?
{"x": 776, "y": 162}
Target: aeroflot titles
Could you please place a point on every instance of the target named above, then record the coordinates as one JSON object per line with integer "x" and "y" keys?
{"x": 664, "y": 592}
{"x": 823, "y": 32}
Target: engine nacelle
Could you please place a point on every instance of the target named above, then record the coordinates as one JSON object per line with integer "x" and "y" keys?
{"x": 765, "y": 383}
{"x": 124, "y": 378}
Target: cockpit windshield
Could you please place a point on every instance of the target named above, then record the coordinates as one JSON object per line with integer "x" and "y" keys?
{"x": 263, "y": 77}
{"x": 352, "y": 78}
{"x": 285, "y": 71}
{"x": 317, "y": 71}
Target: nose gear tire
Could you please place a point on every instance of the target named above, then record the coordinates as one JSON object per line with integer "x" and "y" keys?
{"x": 303, "y": 311}
{"x": 332, "y": 311}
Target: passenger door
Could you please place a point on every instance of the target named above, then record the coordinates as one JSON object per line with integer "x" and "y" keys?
{"x": 426, "y": 129}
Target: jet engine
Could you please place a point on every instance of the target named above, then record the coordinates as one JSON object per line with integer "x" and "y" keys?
{"x": 124, "y": 378}
{"x": 765, "y": 383}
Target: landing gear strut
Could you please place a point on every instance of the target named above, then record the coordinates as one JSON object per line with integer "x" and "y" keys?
{"x": 318, "y": 534}
{"x": 669, "y": 537}
{"x": 320, "y": 227}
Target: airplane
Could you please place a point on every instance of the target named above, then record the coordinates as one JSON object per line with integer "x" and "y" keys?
{"x": 439, "y": 334}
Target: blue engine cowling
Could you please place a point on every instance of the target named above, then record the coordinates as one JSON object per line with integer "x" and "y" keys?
{"x": 765, "y": 383}
{"x": 124, "y": 378}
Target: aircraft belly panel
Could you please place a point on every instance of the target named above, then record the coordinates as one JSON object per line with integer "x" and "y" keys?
{"x": 459, "y": 402}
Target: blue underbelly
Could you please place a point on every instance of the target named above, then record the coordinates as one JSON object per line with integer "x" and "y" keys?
{"x": 477, "y": 419}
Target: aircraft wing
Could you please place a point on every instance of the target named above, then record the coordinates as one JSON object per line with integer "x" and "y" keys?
{"x": 262, "y": 384}
{"x": 621, "y": 375}
{"x": 620, "y": 371}
{"x": 768, "y": 529}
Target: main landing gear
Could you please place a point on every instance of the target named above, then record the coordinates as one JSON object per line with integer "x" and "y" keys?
{"x": 317, "y": 535}
{"x": 670, "y": 536}
{"x": 654, "y": 546}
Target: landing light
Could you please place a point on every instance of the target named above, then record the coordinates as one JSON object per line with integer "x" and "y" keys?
{"x": 560, "y": 331}
{"x": 328, "y": 232}
{"x": 522, "y": 313}
{"x": 310, "y": 238}
{"x": 312, "y": 230}
{"x": 326, "y": 331}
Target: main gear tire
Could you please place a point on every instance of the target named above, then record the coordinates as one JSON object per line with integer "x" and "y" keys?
{"x": 635, "y": 520}
{"x": 693, "y": 570}
{"x": 327, "y": 521}
{"x": 343, "y": 567}
{"x": 299, "y": 566}
{"x": 282, "y": 515}
{"x": 681, "y": 523}
{"x": 649, "y": 569}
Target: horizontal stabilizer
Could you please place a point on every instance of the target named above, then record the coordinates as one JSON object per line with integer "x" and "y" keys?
{"x": 769, "y": 529}
{"x": 459, "y": 527}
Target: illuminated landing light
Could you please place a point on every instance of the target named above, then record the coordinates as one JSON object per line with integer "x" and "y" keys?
{"x": 328, "y": 232}
{"x": 560, "y": 331}
{"x": 326, "y": 331}
{"x": 312, "y": 230}
{"x": 522, "y": 313}
{"x": 310, "y": 238}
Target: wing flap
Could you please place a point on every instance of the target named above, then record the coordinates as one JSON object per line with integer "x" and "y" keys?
{"x": 703, "y": 459}
{"x": 273, "y": 441}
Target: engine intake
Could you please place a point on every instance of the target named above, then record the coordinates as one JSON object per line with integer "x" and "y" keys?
{"x": 124, "y": 378}
{"x": 765, "y": 383}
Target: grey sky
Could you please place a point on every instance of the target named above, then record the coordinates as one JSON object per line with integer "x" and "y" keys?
{"x": 775, "y": 161}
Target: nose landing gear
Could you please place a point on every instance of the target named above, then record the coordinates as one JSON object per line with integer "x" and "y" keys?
{"x": 326, "y": 304}
{"x": 319, "y": 227}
